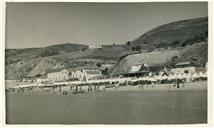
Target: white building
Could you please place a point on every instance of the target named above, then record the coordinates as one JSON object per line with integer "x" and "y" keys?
{"x": 137, "y": 67}
{"x": 186, "y": 67}
{"x": 106, "y": 66}
{"x": 86, "y": 74}
{"x": 59, "y": 75}
{"x": 42, "y": 79}
{"x": 95, "y": 46}
{"x": 69, "y": 74}
{"x": 29, "y": 80}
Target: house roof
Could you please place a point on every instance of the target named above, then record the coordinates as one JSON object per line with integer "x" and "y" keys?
{"x": 183, "y": 63}
{"x": 42, "y": 77}
{"x": 93, "y": 72}
{"x": 54, "y": 70}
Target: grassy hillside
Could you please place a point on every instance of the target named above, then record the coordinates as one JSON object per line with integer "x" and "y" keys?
{"x": 169, "y": 44}
{"x": 196, "y": 53}
{"x": 180, "y": 33}
{"x": 35, "y": 62}
{"x": 16, "y": 55}
{"x": 165, "y": 45}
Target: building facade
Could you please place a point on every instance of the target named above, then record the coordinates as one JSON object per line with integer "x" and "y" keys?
{"x": 187, "y": 67}
{"x": 59, "y": 75}
{"x": 69, "y": 74}
{"x": 86, "y": 75}
{"x": 95, "y": 46}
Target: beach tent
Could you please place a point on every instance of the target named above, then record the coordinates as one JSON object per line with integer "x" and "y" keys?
{"x": 170, "y": 77}
{"x": 195, "y": 75}
{"x": 164, "y": 77}
{"x": 201, "y": 74}
{"x": 179, "y": 76}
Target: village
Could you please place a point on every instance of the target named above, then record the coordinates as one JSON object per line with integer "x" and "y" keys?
{"x": 85, "y": 79}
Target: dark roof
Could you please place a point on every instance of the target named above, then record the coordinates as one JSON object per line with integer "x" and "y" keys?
{"x": 41, "y": 77}
{"x": 135, "y": 72}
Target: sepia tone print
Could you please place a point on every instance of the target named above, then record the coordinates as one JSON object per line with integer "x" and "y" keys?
{"x": 106, "y": 63}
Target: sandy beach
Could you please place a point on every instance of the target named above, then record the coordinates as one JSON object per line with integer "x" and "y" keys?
{"x": 199, "y": 85}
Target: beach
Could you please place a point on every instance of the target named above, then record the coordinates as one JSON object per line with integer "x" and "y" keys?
{"x": 122, "y": 105}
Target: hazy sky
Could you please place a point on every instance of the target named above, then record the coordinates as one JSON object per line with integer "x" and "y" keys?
{"x": 44, "y": 24}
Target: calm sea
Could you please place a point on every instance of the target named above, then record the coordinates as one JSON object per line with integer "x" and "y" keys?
{"x": 122, "y": 107}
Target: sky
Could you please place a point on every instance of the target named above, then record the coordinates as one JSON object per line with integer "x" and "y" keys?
{"x": 31, "y": 25}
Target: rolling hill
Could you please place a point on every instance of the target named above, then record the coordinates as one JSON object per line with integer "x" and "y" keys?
{"x": 34, "y": 62}
{"x": 184, "y": 40}
{"x": 180, "y": 33}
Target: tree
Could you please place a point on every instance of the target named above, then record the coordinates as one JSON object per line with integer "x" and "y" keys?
{"x": 38, "y": 75}
{"x": 174, "y": 58}
{"x": 99, "y": 65}
{"x": 128, "y": 43}
{"x": 83, "y": 49}
{"x": 136, "y": 48}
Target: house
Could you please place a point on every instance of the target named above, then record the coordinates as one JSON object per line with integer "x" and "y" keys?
{"x": 106, "y": 66}
{"x": 186, "y": 67}
{"x": 86, "y": 73}
{"x": 59, "y": 75}
{"x": 137, "y": 67}
{"x": 95, "y": 46}
{"x": 81, "y": 74}
{"x": 42, "y": 79}
{"x": 29, "y": 80}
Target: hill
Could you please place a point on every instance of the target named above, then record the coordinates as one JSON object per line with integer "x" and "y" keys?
{"x": 15, "y": 55}
{"x": 196, "y": 53}
{"x": 164, "y": 45}
{"x": 34, "y": 62}
{"x": 169, "y": 44}
{"x": 180, "y": 33}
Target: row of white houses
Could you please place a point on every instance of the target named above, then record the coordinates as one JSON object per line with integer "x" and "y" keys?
{"x": 69, "y": 74}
